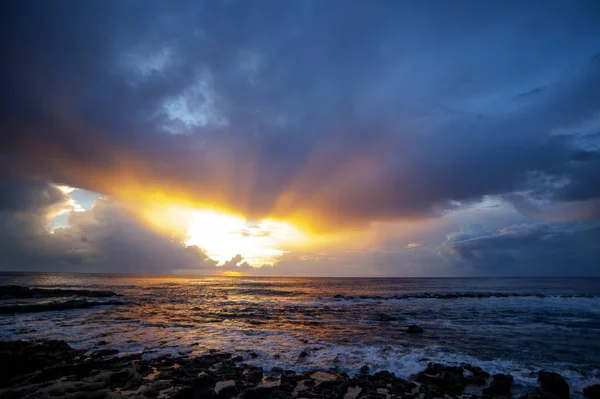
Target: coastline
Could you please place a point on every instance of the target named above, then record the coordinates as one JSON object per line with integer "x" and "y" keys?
{"x": 51, "y": 369}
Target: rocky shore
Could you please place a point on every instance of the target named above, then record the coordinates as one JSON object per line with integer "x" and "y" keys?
{"x": 52, "y": 369}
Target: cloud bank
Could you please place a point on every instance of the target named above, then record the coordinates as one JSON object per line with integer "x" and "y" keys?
{"x": 340, "y": 115}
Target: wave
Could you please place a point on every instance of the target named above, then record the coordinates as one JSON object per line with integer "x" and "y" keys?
{"x": 52, "y": 306}
{"x": 459, "y": 295}
{"x": 17, "y": 291}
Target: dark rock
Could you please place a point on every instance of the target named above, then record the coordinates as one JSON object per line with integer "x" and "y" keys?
{"x": 255, "y": 375}
{"x": 120, "y": 378}
{"x": 104, "y": 352}
{"x": 384, "y": 376}
{"x": 186, "y": 393}
{"x": 437, "y": 378}
{"x": 203, "y": 381}
{"x": 364, "y": 370}
{"x": 20, "y": 358}
{"x": 150, "y": 392}
{"x": 592, "y": 392}
{"x": 337, "y": 296}
{"x": 228, "y": 392}
{"x": 475, "y": 375}
{"x": 553, "y": 384}
{"x": 500, "y": 385}
{"x": 279, "y": 394}
{"x": 414, "y": 329}
{"x": 303, "y": 355}
{"x": 257, "y": 393}
{"x": 384, "y": 317}
{"x": 277, "y": 370}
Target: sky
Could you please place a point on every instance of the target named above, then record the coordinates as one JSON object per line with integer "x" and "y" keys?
{"x": 301, "y": 138}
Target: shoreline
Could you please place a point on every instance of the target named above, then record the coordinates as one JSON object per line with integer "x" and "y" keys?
{"x": 51, "y": 369}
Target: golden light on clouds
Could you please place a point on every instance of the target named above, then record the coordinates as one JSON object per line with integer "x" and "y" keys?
{"x": 223, "y": 236}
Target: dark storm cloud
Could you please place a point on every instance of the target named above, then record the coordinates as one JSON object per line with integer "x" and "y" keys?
{"x": 343, "y": 111}
{"x": 107, "y": 238}
{"x": 29, "y": 196}
{"x": 527, "y": 249}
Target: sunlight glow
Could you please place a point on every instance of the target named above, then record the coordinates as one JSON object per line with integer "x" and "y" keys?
{"x": 223, "y": 236}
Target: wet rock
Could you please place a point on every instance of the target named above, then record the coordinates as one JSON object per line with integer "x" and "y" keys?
{"x": 384, "y": 317}
{"x": 203, "y": 381}
{"x": 592, "y": 392}
{"x": 227, "y": 392}
{"x": 186, "y": 393}
{"x": 383, "y": 376}
{"x": 277, "y": 370}
{"x": 104, "y": 352}
{"x": 364, "y": 370}
{"x": 255, "y": 375}
{"x": 500, "y": 386}
{"x": 303, "y": 354}
{"x": 553, "y": 384}
{"x": 414, "y": 329}
{"x": 257, "y": 393}
{"x": 120, "y": 378}
{"x": 279, "y": 394}
{"x": 338, "y": 296}
{"x": 475, "y": 375}
{"x": 437, "y": 378}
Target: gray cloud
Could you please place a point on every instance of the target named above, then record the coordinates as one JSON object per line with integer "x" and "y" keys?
{"x": 312, "y": 102}
{"x": 107, "y": 238}
{"x": 343, "y": 112}
{"x": 527, "y": 249}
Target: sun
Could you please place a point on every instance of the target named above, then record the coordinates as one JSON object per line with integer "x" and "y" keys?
{"x": 223, "y": 236}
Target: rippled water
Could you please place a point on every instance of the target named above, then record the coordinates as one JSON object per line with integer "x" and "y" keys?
{"x": 270, "y": 321}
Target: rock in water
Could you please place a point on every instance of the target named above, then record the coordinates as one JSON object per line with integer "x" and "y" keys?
{"x": 384, "y": 317}
{"x": 500, "y": 385}
{"x": 592, "y": 392}
{"x": 553, "y": 384}
{"x": 438, "y": 379}
{"x": 414, "y": 329}
{"x": 104, "y": 352}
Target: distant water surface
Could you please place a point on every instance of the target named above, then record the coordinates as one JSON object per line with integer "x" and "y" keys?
{"x": 532, "y": 323}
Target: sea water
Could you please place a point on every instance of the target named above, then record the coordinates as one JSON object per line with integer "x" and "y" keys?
{"x": 504, "y": 325}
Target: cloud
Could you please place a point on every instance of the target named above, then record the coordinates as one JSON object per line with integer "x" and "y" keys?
{"x": 235, "y": 262}
{"x": 107, "y": 238}
{"x": 527, "y": 249}
{"x": 338, "y": 116}
{"x": 306, "y": 110}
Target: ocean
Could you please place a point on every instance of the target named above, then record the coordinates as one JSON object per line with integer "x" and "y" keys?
{"x": 504, "y": 325}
